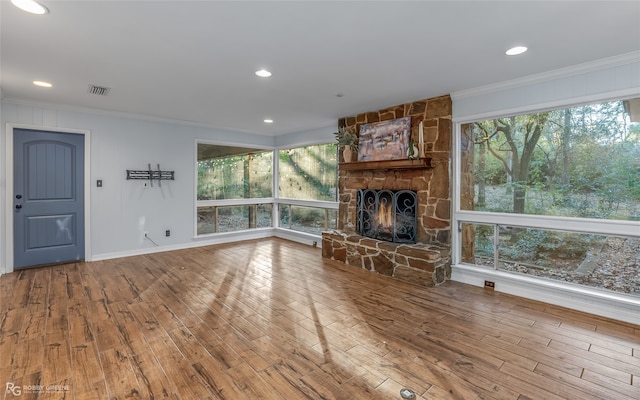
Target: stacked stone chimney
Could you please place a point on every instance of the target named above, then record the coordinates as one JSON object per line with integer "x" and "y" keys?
{"x": 428, "y": 262}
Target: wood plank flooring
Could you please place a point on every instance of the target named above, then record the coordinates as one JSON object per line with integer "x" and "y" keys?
{"x": 272, "y": 319}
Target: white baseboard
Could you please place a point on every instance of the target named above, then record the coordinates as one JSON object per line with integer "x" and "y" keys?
{"x": 197, "y": 242}
{"x": 219, "y": 238}
{"x": 618, "y": 306}
{"x": 300, "y": 237}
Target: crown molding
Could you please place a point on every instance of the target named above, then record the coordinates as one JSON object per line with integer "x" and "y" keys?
{"x": 592, "y": 66}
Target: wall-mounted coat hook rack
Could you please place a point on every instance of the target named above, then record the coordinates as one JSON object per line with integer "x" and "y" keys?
{"x": 151, "y": 175}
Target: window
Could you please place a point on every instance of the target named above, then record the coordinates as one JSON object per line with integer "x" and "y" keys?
{"x": 233, "y": 218}
{"x": 575, "y": 162}
{"x": 234, "y": 188}
{"x": 307, "y": 219}
{"x": 234, "y": 173}
{"x": 309, "y": 173}
{"x": 308, "y": 188}
{"x": 577, "y": 170}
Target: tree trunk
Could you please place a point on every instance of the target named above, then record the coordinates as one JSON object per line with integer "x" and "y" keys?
{"x": 566, "y": 137}
{"x": 482, "y": 162}
{"x": 248, "y": 189}
{"x": 519, "y": 195}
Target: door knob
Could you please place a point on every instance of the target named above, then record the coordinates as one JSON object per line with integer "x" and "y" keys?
{"x": 18, "y": 206}
{"x": 18, "y": 196}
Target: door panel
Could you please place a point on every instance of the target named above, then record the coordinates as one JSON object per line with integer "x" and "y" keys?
{"x": 50, "y": 171}
{"x": 48, "y": 197}
{"x": 50, "y": 231}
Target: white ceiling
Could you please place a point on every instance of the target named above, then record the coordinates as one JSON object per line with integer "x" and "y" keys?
{"x": 195, "y": 60}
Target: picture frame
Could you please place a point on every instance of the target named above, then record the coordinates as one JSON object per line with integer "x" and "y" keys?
{"x": 384, "y": 140}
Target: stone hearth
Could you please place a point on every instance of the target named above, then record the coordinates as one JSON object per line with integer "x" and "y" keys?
{"x": 428, "y": 261}
{"x": 426, "y": 265}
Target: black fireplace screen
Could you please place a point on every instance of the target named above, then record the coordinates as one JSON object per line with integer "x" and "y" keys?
{"x": 387, "y": 215}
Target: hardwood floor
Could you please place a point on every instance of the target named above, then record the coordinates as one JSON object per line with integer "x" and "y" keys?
{"x": 271, "y": 319}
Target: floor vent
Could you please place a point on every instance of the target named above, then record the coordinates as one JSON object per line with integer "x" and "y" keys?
{"x": 99, "y": 90}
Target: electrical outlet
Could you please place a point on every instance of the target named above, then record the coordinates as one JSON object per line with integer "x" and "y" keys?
{"x": 167, "y": 233}
{"x": 489, "y": 284}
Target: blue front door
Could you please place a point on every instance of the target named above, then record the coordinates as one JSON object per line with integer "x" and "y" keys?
{"x": 48, "y": 197}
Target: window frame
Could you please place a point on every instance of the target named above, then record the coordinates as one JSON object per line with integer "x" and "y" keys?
{"x": 225, "y": 202}
{"x": 332, "y": 205}
{"x": 275, "y": 201}
{"x": 569, "y": 224}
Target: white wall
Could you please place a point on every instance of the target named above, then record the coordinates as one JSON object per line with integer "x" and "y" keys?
{"x": 122, "y": 209}
{"x": 2, "y": 191}
{"x": 611, "y": 78}
{"x": 307, "y": 138}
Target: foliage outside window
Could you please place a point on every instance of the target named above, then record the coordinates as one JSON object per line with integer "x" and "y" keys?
{"x": 313, "y": 220}
{"x": 575, "y": 162}
{"x": 579, "y": 162}
{"x": 308, "y": 173}
{"x": 233, "y": 218}
{"x": 600, "y": 261}
{"x": 230, "y": 177}
{"x": 234, "y": 176}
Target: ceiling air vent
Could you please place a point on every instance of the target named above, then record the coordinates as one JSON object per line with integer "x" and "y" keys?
{"x": 99, "y": 90}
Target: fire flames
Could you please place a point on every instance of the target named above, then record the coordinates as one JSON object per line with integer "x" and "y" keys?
{"x": 387, "y": 215}
{"x": 384, "y": 218}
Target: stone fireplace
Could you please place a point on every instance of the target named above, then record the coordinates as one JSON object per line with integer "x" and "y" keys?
{"x": 425, "y": 258}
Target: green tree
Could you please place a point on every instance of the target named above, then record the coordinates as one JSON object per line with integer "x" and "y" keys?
{"x": 513, "y": 141}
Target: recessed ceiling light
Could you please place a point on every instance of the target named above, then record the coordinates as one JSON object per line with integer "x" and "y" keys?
{"x": 514, "y": 51}
{"x": 42, "y": 84}
{"x": 268, "y": 121}
{"x": 263, "y": 73}
{"x": 30, "y": 6}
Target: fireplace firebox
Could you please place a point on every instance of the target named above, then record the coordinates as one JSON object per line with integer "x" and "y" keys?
{"x": 387, "y": 215}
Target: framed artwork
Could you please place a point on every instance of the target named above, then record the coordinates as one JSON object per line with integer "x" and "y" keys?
{"x": 385, "y": 140}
